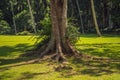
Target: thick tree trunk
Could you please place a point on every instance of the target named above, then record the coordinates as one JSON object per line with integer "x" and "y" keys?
{"x": 58, "y": 43}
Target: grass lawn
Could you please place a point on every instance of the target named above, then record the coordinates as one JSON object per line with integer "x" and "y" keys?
{"x": 108, "y": 46}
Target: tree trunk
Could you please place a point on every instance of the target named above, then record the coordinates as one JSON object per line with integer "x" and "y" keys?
{"x": 94, "y": 18}
{"x": 14, "y": 23}
{"x": 58, "y": 43}
{"x": 32, "y": 17}
{"x": 80, "y": 15}
{"x": 110, "y": 16}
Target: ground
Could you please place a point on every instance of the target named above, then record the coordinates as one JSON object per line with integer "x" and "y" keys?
{"x": 13, "y": 46}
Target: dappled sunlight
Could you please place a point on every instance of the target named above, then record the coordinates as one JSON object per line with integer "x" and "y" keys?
{"x": 11, "y": 46}
{"x": 8, "y": 51}
{"x": 91, "y": 68}
{"x": 110, "y": 50}
{"x": 16, "y": 67}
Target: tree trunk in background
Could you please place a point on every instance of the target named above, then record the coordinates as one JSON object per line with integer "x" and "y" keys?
{"x": 32, "y": 17}
{"x": 110, "y": 16}
{"x": 82, "y": 27}
{"x": 105, "y": 14}
{"x": 14, "y": 23}
{"x": 58, "y": 44}
{"x": 94, "y": 18}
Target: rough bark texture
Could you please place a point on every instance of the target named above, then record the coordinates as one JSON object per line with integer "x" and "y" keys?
{"x": 58, "y": 44}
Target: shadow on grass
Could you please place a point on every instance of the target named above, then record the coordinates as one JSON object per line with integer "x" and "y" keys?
{"x": 24, "y": 76}
{"x": 110, "y": 50}
{"x": 91, "y": 68}
{"x": 6, "y": 51}
{"x": 11, "y": 55}
{"x": 95, "y": 67}
{"x": 28, "y": 75}
{"x": 80, "y": 67}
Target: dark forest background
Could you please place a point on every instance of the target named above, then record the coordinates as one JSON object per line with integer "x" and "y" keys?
{"x": 15, "y": 16}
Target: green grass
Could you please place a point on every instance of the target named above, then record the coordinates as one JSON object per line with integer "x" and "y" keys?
{"x": 108, "y": 46}
{"x": 13, "y": 46}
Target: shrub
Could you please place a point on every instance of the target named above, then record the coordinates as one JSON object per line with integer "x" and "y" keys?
{"x": 24, "y": 33}
{"x": 72, "y": 33}
{"x": 23, "y": 21}
{"x": 1, "y": 15}
{"x": 4, "y": 27}
{"x": 46, "y": 26}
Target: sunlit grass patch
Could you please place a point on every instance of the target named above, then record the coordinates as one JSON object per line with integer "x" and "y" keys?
{"x": 100, "y": 46}
{"x": 12, "y": 46}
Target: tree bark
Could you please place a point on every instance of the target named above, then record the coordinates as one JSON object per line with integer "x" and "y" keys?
{"x": 94, "y": 18}
{"x": 80, "y": 15}
{"x": 14, "y": 23}
{"x": 32, "y": 17}
{"x": 59, "y": 44}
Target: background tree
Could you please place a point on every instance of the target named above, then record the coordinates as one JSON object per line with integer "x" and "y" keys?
{"x": 12, "y": 9}
{"x": 32, "y": 17}
{"x": 107, "y": 14}
{"x": 94, "y": 18}
{"x": 80, "y": 16}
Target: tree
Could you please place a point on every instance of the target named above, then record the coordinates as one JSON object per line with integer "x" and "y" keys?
{"x": 32, "y": 17}
{"x": 80, "y": 16}
{"x": 94, "y": 18}
{"x": 59, "y": 44}
{"x": 14, "y": 23}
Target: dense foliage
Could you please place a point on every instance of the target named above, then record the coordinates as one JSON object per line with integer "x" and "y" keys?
{"x": 4, "y": 27}
{"x": 107, "y": 12}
